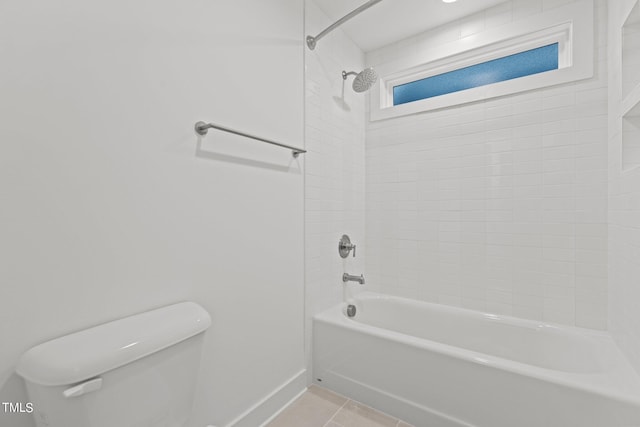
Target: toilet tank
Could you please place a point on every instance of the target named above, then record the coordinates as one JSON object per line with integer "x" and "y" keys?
{"x": 139, "y": 371}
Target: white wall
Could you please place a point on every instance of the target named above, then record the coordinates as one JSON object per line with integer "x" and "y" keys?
{"x": 498, "y": 205}
{"x": 110, "y": 203}
{"x": 624, "y": 208}
{"x": 334, "y": 180}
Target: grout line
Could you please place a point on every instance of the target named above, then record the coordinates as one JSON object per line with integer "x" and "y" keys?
{"x": 355, "y": 402}
{"x": 336, "y": 413}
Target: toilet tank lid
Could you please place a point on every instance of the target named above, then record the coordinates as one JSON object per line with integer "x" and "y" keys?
{"x": 94, "y": 351}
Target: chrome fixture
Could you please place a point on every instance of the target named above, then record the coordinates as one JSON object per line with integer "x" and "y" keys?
{"x": 202, "y": 128}
{"x": 345, "y": 246}
{"x": 351, "y": 310}
{"x": 364, "y": 79}
{"x": 311, "y": 41}
{"x": 349, "y": 278}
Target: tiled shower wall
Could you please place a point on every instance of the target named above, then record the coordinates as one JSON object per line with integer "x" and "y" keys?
{"x": 498, "y": 205}
{"x": 624, "y": 210}
{"x": 335, "y": 171}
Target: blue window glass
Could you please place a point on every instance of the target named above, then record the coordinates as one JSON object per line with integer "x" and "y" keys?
{"x": 521, "y": 64}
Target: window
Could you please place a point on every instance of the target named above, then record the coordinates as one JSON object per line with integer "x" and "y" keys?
{"x": 553, "y": 47}
{"x": 521, "y": 64}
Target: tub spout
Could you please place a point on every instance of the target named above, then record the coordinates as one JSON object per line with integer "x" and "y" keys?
{"x": 349, "y": 278}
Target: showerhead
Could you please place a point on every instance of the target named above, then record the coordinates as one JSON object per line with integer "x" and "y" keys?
{"x": 364, "y": 79}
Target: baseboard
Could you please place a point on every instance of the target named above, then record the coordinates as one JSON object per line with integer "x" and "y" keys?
{"x": 285, "y": 406}
{"x": 269, "y": 406}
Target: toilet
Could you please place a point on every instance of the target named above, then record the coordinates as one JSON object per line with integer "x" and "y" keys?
{"x": 139, "y": 371}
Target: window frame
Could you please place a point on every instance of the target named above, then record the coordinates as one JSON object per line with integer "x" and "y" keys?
{"x": 473, "y": 72}
{"x": 571, "y": 26}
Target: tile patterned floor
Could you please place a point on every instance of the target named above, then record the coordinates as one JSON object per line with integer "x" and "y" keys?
{"x": 319, "y": 407}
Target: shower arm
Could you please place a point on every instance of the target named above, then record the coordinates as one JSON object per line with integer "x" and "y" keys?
{"x": 350, "y": 73}
{"x": 311, "y": 41}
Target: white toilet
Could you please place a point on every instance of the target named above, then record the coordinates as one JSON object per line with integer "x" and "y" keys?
{"x": 139, "y": 371}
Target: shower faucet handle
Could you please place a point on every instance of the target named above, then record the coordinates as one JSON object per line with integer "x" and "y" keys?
{"x": 345, "y": 246}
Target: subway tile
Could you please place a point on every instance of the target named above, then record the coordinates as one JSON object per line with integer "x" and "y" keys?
{"x": 559, "y": 139}
{"x": 559, "y": 165}
{"x": 565, "y": 242}
{"x": 525, "y": 8}
{"x": 498, "y": 15}
{"x": 591, "y": 270}
{"x": 591, "y": 243}
{"x": 471, "y": 25}
{"x": 559, "y": 254}
{"x": 525, "y": 178}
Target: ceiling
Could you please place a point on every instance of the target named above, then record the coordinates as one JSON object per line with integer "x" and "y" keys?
{"x": 393, "y": 20}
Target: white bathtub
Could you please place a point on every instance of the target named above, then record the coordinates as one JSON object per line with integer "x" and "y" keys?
{"x": 439, "y": 366}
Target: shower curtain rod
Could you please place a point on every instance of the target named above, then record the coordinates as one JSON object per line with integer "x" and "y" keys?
{"x": 311, "y": 41}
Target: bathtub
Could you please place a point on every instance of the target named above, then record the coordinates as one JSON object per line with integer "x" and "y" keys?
{"x": 439, "y": 366}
